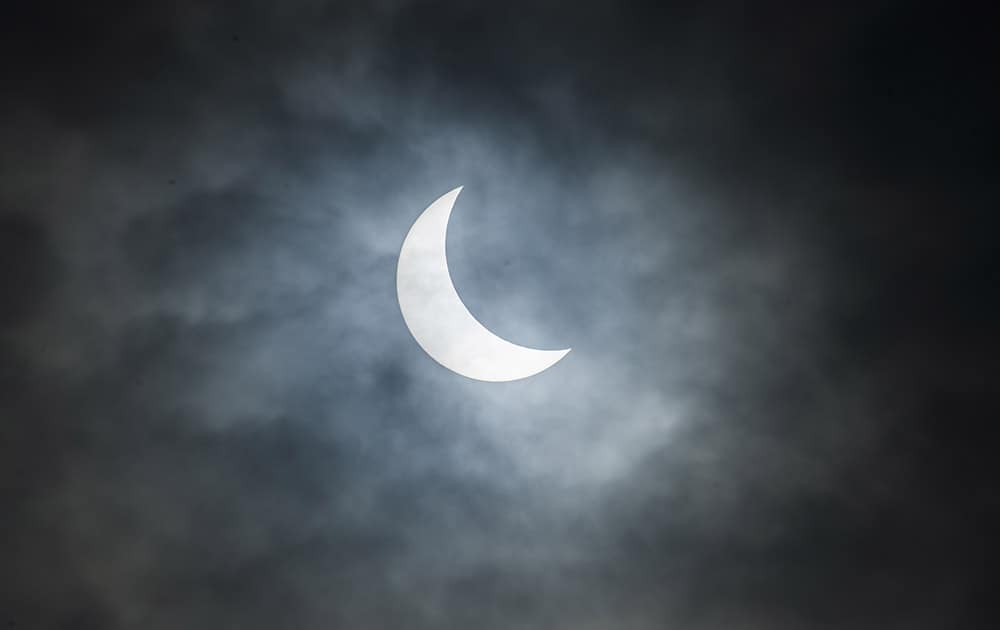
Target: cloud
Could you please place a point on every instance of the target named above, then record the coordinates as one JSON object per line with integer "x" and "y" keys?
{"x": 217, "y": 416}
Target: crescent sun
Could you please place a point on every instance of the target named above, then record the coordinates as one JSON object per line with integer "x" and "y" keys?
{"x": 436, "y": 316}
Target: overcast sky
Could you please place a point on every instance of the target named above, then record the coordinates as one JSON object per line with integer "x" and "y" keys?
{"x": 765, "y": 231}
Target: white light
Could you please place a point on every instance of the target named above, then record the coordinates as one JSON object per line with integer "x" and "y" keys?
{"x": 438, "y": 319}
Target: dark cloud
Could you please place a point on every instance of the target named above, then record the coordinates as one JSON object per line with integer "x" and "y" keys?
{"x": 765, "y": 230}
{"x": 29, "y": 267}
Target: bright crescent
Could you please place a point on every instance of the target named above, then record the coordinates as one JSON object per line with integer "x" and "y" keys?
{"x": 437, "y": 318}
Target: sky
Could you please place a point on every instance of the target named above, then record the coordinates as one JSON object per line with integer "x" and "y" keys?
{"x": 767, "y": 232}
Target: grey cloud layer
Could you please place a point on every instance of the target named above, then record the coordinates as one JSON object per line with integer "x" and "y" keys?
{"x": 220, "y": 419}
